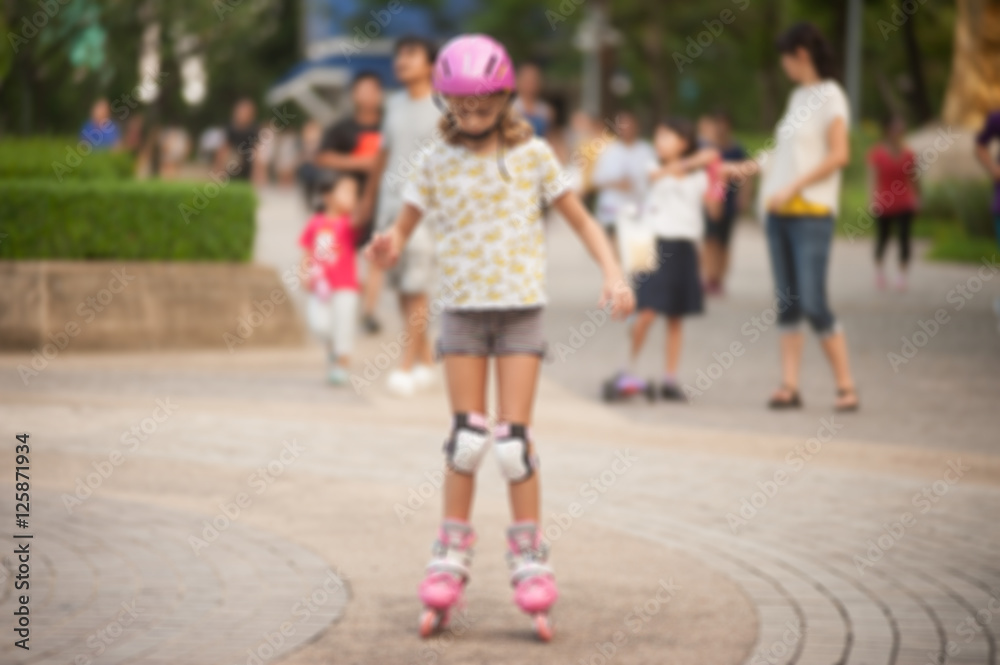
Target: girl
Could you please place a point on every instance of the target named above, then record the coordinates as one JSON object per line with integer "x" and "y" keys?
{"x": 673, "y": 211}
{"x": 482, "y": 188}
{"x": 894, "y": 187}
{"x": 328, "y": 240}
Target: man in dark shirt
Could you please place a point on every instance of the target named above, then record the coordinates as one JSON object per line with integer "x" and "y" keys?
{"x": 719, "y": 231}
{"x": 352, "y": 143}
{"x": 238, "y": 154}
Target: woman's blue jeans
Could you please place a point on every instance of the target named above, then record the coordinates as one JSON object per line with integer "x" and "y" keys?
{"x": 800, "y": 252}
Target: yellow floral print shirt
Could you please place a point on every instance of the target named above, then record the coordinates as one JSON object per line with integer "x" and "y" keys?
{"x": 488, "y": 235}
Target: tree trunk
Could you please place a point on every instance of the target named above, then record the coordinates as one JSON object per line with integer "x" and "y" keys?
{"x": 769, "y": 76}
{"x": 974, "y": 87}
{"x": 919, "y": 101}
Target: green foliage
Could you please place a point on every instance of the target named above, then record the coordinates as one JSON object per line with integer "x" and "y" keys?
{"x": 965, "y": 201}
{"x": 245, "y": 46}
{"x": 61, "y": 158}
{"x": 691, "y": 57}
{"x": 125, "y": 220}
{"x": 952, "y": 243}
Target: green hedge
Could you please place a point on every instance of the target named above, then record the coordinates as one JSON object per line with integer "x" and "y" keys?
{"x": 192, "y": 221}
{"x": 951, "y": 243}
{"x": 968, "y": 202}
{"x": 61, "y": 159}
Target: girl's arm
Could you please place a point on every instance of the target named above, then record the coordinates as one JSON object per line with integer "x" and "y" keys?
{"x": 837, "y": 157}
{"x": 699, "y": 160}
{"x": 384, "y": 248}
{"x": 616, "y": 289}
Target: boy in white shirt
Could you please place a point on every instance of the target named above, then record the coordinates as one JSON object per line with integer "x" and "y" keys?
{"x": 620, "y": 174}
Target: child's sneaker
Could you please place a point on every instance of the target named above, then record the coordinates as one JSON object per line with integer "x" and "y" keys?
{"x": 338, "y": 376}
{"x": 423, "y": 376}
{"x": 627, "y": 384}
{"x": 371, "y": 324}
{"x": 671, "y": 391}
{"x": 401, "y": 383}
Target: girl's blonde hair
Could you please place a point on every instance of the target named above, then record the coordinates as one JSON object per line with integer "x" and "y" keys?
{"x": 514, "y": 130}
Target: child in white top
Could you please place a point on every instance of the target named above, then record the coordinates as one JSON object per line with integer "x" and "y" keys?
{"x": 673, "y": 212}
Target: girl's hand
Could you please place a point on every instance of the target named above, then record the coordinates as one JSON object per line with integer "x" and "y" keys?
{"x": 781, "y": 197}
{"x": 383, "y": 250}
{"x": 618, "y": 293}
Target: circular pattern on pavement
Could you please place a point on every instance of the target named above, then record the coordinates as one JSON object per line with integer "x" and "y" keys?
{"x": 117, "y": 582}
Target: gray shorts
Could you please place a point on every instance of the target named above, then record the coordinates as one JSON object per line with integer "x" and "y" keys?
{"x": 499, "y": 332}
{"x": 414, "y": 271}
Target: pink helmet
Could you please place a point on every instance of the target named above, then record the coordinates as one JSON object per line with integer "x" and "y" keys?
{"x": 473, "y": 65}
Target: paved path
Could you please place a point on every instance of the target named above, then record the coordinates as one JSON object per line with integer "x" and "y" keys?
{"x": 714, "y": 533}
{"x": 943, "y": 397}
{"x": 119, "y": 582}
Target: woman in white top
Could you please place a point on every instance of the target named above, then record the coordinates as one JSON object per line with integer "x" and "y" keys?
{"x": 800, "y": 195}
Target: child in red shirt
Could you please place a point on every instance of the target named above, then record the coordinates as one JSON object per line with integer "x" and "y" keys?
{"x": 328, "y": 240}
{"x": 895, "y": 191}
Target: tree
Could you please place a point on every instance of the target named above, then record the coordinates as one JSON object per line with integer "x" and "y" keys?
{"x": 245, "y": 45}
{"x": 974, "y": 87}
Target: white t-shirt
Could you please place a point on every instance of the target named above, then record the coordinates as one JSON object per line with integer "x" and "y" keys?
{"x": 674, "y": 206}
{"x": 616, "y": 162}
{"x": 801, "y": 143}
{"x": 488, "y": 235}
{"x": 409, "y": 131}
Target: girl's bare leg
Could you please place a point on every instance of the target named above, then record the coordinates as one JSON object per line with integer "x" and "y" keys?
{"x": 674, "y": 339}
{"x": 640, "y": 327}
{"x": 415, "y": 318}
{"x": 517, "y": 380}
{"x": 710, "y": 261}
{"x": 466, "y": 376}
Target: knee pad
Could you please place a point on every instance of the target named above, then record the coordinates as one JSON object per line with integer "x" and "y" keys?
{"x": 510, "y": 442}
{"x": 467, "y": 444}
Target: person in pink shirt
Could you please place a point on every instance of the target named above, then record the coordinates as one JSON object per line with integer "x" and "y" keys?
{"x": 895, "y": 194}
{"x": 328, "y": 240}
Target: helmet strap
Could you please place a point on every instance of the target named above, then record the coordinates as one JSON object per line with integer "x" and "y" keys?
{"x": 480, "y": 136}
{"x": 477, "y": 136}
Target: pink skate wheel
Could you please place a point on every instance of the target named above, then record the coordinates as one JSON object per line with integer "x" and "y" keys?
{"x": 428, "y": 623}
{"x": 543, "y": 628}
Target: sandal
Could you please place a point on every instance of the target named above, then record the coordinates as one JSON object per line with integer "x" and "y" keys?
{"x": 847, "y": 408}
{"x": 791, "y": 402}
